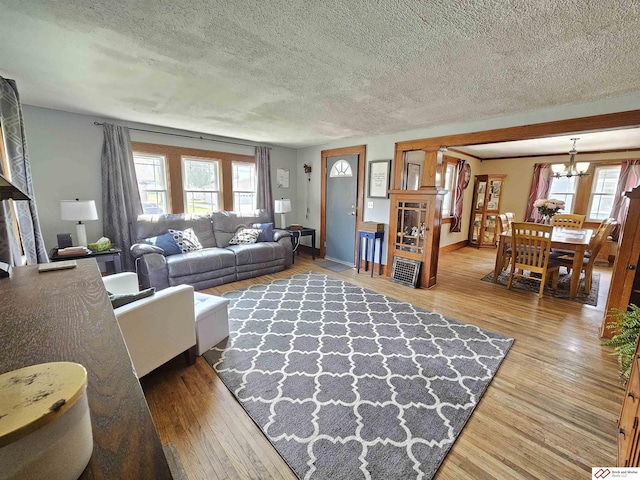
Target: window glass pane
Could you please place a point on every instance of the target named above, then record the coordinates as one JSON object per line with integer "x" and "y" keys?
{"x": 603, "y": 191}
{"x": 201, "y": 202}
{"x": 152, "y": 182}
{"x": 200, "y": 175}
{"x": 564, "y": 188}
{"x": 244, "y": 187}
{"x": 447, "y": 202}
{"x": 341, "y": 169}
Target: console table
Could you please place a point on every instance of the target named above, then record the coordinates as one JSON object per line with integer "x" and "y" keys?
{"x": 65, "y": 315}
{"x": 370, "y": 237}
{"x": 108, "y": 256}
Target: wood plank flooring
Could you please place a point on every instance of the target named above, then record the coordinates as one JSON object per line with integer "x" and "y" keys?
{"x": 550, "y": 411}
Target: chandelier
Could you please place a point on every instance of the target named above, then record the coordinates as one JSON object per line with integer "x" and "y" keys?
{"x": 575, "y": 169}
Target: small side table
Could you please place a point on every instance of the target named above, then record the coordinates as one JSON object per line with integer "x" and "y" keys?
{"x": 112, "y": 255}
{"x": 295, "y": 239}
{"x": 369, "y": 238}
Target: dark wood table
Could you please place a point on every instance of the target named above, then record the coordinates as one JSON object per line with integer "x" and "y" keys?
{"x": 108, "y": 256}
{"x": 296, "y": 233}
{"x": 66, "y": 315}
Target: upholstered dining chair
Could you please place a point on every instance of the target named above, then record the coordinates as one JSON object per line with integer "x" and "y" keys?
{"x": 568, "y": 220}
{"x": 531, "y": 245}
{"x": 595, "y": 245}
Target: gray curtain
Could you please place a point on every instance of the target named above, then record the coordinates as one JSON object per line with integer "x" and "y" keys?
{"x": 264, "y": 198}
{"x": 121, "y": 202}
{"x": 19, "y": 173}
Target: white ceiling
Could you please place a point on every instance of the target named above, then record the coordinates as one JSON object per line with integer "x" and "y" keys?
{"x": 299, "y": 73}
{"x": 628, "y": 139}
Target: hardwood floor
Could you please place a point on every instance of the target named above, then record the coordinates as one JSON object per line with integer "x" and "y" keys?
{"x": 550, "y": 412}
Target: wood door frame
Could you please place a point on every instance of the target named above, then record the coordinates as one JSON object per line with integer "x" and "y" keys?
{"x": 361, "y": 151}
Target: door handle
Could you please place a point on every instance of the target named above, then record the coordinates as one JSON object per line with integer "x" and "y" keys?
{"x": 353, "y": 214}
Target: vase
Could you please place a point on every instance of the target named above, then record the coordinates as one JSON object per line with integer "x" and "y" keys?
{"x": 547, "y": 219}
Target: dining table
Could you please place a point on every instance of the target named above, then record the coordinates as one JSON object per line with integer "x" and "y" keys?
{"x": 576, "y": 240}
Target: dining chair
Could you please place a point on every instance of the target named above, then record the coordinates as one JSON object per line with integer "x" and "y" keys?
{"x": 595, "y": 245}
{"x": 531, "y": 245}
{"x": 511, "y": 217}
{"x": 504, "y": 222}
{"x": 567, "y": 220}
{"x": 505, "y": 226}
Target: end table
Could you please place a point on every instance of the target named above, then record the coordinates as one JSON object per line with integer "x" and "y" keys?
{"x": 112, "y": 255}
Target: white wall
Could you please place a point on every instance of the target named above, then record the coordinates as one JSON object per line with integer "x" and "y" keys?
{"x": 65, "y": 150}
{"x": 382, "y": 147}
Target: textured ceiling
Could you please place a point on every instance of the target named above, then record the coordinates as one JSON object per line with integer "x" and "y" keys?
{"x": 299, "y": 73}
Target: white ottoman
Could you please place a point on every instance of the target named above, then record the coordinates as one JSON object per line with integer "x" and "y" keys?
{"x": 212, "y": 320}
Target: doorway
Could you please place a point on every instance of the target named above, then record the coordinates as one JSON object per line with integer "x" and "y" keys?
{"x": 342, "y": 202}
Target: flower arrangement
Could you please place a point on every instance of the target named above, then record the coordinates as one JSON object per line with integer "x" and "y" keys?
{"x": 548, "y": 208}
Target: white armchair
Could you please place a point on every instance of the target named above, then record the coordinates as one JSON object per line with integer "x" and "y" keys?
{"x": 156, "y": 328}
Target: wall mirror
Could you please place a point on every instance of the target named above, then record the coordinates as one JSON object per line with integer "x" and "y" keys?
{"x": 412, "y": 166}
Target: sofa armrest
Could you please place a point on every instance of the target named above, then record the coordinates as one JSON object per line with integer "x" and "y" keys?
{"x": 278, "y": 234}
{"x": 140, "y": 249}
{"x": 157, "y": 328}
{"x": 152, "y": 271}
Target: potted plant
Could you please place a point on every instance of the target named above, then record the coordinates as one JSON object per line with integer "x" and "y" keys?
{"x": 624, "y": 343}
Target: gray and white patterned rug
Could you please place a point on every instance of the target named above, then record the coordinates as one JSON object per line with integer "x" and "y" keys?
{"x": 350, "y": 384}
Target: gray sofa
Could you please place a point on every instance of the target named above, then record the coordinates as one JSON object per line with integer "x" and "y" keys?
{"x": 217, "y": 262}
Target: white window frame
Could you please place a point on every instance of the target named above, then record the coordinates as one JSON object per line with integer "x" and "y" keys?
{"x": 144, "y": 192}
{"x": 593, "y": 193}
{"x": 186, "y": 191}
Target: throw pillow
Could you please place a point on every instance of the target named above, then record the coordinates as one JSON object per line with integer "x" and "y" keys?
{"x": 245, "y": 236}
{"x": 165, "y": 242}
{"x": 125, "y": 298}
{"x": 186, "y": 240}
{"x": 266, "y": 231}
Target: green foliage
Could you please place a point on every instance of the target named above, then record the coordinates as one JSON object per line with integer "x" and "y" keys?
{"x": 624, "y": 343}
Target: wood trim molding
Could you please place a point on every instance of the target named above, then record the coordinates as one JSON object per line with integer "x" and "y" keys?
{"x": 523, "y": 132}
{"x": 361, "y": 151}
{"x": 453, "y": 246}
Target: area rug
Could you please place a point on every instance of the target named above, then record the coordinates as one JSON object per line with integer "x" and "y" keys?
{"x": 563, "y": 290}
{"x": 334, "y": 266}
{"x": 350, "y": 384}
{"x": 173, "y": 459}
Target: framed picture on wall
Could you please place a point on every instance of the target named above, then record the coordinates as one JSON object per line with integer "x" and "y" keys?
{"x": 282, "y": 177}
{"x": 379, "y": 174}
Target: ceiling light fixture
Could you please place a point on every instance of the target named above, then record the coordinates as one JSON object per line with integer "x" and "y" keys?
{"x": 575, "y": 169}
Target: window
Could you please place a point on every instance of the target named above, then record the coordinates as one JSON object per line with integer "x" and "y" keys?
{"x": 341, "y": 169}
{"x": 152, "y": 182}
{"x": 244, "y": 187}
{"x": 449, "y": 185}
{"x": 603, "y": 190}
{"x": 564, "y": 188}
{"x": 201, "y": 185}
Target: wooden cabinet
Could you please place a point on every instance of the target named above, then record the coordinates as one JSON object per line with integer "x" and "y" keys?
{"x": 628, "y": 431}
{"x": 625, "y": 280}
{"x": 484, "y": 226}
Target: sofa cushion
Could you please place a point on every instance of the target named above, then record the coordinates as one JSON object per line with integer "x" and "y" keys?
{"x": 119, "y": 300}
{"x": 153, "y": 225}
{"x": 165, "y": 242}
{"x": 257, "y": 252}
{"x": 200, "y": 261}
{"x": 186, "y": 240}
{"x": 245, "y": 236}
{"x": 266, "y": 231}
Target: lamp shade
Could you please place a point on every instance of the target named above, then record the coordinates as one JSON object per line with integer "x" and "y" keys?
{"x": 282, "y": 206}
{"x": 10, "y": 191}
{"x": 78, "y": 210}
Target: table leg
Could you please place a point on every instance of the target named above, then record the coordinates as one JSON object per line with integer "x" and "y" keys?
{"x": 366, "y": 254}
{"x": 373, "y": 257}
{"x": 117, "y": 264}
{"x": 313, "y": 245}
{"x": 359, "y": 252}
{"x": 380, "y": 258}
{"x": 499, "y": 258}
{"x": 578, "y": 258}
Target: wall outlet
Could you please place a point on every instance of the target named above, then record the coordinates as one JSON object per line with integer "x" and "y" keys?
{"x": 369, "y": 204}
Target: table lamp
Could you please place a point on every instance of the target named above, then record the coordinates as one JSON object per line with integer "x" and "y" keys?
{"x": 282, "y": 207}
{"x": 79, "y": 210}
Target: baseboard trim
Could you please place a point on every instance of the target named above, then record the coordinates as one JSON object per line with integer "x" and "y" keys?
{"x": 453, "y": 246}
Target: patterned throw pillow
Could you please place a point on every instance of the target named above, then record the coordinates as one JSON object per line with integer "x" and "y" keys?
{"x": 266, "y": 231}
{"x": 186, "y": 240}
{"x": 245, "y": 236}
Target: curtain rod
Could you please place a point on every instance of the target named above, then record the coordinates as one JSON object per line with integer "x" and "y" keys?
{"x": 187, "y": 136}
